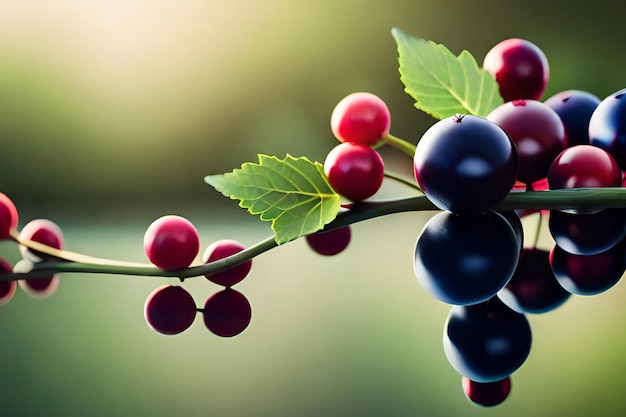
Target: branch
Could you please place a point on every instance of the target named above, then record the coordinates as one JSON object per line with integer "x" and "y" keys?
{"x": 66, "y": 262}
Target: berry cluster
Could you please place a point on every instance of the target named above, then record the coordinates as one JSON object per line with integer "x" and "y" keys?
{"x": 39, "y": 231}
{"x": 171, "y": 243}
{"x": 470, "y": 255}
{"x": 474, "y": 258}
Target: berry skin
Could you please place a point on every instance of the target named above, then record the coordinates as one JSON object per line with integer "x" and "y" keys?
{"x": 169, "y": 309}
{"x": 227, "y": 313}
{"x": 534, "y": 288}
{"x": 516, "y": 223}
{"x": 588, "y": 274}
{"x": 355, "y": 171}
{"x": 465, "y": 164}
{"x": 360, "y": 118}
{"x": 587, "y": 234}
{"x": 486, "y": 394}
{"x": 486, "y": 342}
{"x": 7, "y": 288}
{"x": 583, "y": 166}
{"x": 330, "y": 243}
{"x": 575, "y": 108}
{"x": 221, "y": 249}
{"x": 50, "y": 234}
{"x": 8, "y": 216}
{"x": 538, "y": 133}
{"x": 520, "y": 68}
{"x": 607, "y": 126}
{"x": 465, "y": 260}
{"x": 171, "y": 242}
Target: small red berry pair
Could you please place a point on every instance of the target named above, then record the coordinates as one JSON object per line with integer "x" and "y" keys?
{"x": 354, "y": 169}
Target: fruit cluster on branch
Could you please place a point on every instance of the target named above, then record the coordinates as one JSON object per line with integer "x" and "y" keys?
{"x": 496, "y": 153}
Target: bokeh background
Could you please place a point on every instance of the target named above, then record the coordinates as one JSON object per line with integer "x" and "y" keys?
{"x": 111, "y": 114}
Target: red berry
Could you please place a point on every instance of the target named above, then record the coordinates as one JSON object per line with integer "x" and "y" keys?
{"x": 170, "y": 309}
{"x": 360, "y": 118}
{"x": 486, "y": 394}
{"x": 227, "y": 313}
{"x": 538, "y": 133}
{"x": 355, "y": 171}
{"x": 330, "y": 243}
{"x": 7, "y": 288}
{"x": 221, "y": 249}
{"x": 584, "y": 166}
{"x": 171, "y": 242}
{"x": 8, "y": 216}
{"x": 48, "y": 233}
{"x": 520, "y": 68}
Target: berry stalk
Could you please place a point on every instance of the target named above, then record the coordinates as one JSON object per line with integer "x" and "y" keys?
{"x": 65, "y": 261}
{"x": 400, "y": 144}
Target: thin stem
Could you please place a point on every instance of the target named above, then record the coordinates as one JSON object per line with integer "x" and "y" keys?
{"x": 401, "y": 144}
{"x": 405, "y": 181}
{"x": 64, "y": 255}
{"x": 583, "y": 198}
{"x": 538, "y": 229}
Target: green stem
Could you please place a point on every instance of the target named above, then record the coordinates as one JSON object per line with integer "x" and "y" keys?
{"x": 538, "y": 229}
{"x": 584, "y": 198}
{"x": 401, "y": 144}
{"x": 410, "y": 183}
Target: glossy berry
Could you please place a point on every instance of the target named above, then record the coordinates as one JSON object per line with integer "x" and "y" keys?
{"x": 583, "y": 166}
{"x": 227, "y": 313}
{"x": 222, "y": 249}
{"x": 486, "y": 394}
{"x": 607, "y": 126}
{"x": 355, "y": 171}
{"x": 538, "y": 133}
{"x": 8, "y": 216}
{"x": 588, "y": 274}
{"x": 465, "y": 164}
{"x": 170, "y": 309}
{"x": 171, "y": 242}
{"x": 587, "y": 234}
{"x": 42, "y": 231}
{"x": 360, "y": 118}
{"x": 520, "y": 68}
{"x": 7, "y": 288}
{"x": 534, "y": 288}
{"x": 486, "y": 342}
{"x": 330, "y": 243}
{"x": 516, "y": 223}
{"x": 575, "y": 108}
{"x": 467, "y": 259}
{"x": 50, "y": 234}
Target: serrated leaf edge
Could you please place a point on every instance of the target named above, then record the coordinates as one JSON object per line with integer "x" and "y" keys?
{"x": 214, "y": 181}
{"x": 465, "y": 58}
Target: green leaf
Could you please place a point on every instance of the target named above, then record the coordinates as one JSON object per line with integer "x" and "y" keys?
{"x": 443, "y": 84}
{"x": 292, "y": 193}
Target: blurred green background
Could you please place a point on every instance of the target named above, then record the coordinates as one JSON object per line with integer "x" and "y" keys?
{"x": 111, "y": 114}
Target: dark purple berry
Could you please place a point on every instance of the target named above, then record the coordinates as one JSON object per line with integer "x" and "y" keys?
{"x": 534, "y": 288}
{"x": 465, "y": 164}
{"x": 574, "y": 107}
{"x": 486, "y": 342}
{"x": 330, "y": 243}
{"x": 170, "y": 309}
{"x": 227, "y": 313}
{"x": 607, "y": 126}
{"x": 465, "y": 259}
